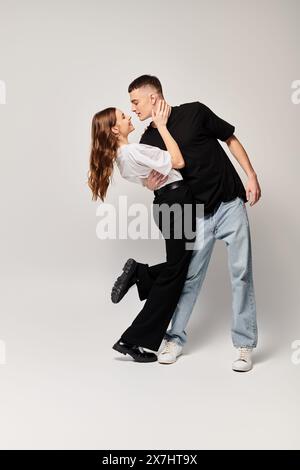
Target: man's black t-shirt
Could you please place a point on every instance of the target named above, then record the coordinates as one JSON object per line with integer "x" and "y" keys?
{"x": 208, "y": 170}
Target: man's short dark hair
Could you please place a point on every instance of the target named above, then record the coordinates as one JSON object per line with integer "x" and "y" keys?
{"x": 144, "y": 80}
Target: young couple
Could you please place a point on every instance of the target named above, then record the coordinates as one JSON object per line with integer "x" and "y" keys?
{"x": 180, "y": 159}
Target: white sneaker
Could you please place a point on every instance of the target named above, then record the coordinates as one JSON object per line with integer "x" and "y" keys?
{"x": 170, "y": 352}
{"x": 162, "y": 346}
{"x": 244, "y": 361}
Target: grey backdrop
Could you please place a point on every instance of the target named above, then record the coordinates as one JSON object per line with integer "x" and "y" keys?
{"x": 61, "y": 384}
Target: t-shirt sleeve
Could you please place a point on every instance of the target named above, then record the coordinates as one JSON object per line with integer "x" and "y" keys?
{"x": 214, "y": 125}
{"x": 152, "y": 157}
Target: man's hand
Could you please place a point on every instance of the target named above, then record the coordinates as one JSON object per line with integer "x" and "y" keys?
{"x": 154, "y": 180}
{"x": 253, "y": 188}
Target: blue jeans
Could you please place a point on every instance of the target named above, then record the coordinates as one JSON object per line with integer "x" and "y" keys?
{"x": 229, "y": 223}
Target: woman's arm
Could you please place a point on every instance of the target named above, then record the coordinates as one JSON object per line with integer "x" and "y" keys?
{"x": 160, "y": 118}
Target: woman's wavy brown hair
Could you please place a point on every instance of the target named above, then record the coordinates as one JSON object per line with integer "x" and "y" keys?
{"x": 103, "y": 152}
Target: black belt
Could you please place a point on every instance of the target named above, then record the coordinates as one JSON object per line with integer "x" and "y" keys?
{"x": 168, "y": 187}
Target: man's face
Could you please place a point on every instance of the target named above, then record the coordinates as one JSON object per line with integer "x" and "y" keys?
{"x": 143, "y": 100}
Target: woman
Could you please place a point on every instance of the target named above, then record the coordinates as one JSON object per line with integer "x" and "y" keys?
{"x": 110, "y": 130}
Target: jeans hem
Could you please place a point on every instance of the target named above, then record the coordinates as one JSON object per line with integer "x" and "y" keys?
{"x": 175, "y": 339}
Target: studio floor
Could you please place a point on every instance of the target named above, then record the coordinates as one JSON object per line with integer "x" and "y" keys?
{"x": 63, "y": 387}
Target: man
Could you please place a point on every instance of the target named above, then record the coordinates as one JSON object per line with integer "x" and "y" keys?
{"x": 215, "y": 184}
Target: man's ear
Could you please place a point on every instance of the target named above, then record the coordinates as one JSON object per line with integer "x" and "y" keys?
{"x": 153, "y": 99}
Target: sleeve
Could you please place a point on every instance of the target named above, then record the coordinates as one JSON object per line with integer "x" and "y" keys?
{"x": 214, "y": 125}
{"x": 152, "y": 157}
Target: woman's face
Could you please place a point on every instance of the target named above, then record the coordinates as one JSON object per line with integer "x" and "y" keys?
{"x": 123, "y": 125}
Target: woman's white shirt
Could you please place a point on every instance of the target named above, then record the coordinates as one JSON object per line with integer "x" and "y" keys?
{"x": 136, "y": 161}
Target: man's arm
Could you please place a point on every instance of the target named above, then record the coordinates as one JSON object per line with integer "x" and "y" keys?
{"x": 154, "y": 180}
{"x": 240, "y": 154}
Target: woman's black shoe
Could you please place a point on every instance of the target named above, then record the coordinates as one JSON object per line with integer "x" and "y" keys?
{"x": 125, "y": 281}
{"x": 137, "y": 352}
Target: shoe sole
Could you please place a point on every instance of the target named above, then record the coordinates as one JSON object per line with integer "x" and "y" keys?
{"x": 125, "y": 351}
{"x": 242, "y": 370}
{"x": 123, "y": 281}
{"x": 166, "y": 363}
